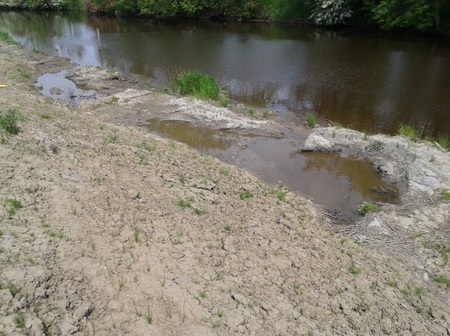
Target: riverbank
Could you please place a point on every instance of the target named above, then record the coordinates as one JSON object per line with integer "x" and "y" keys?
{"x": 118, "y": 231}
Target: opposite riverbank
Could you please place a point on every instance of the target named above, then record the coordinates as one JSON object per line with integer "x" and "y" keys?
{"x": 106, "y": 229}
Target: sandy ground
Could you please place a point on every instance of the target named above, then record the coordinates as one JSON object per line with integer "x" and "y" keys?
{"x": 120, "y": 232}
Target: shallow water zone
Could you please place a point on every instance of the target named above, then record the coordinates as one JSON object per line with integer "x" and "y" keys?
{"x": 57, "y": 86}
{"x": 340, "y": 184}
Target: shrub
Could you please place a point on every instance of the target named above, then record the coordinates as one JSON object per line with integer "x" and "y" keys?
{"x": 8, "y": 121}
{"x": 310, "y": 120}
{"x": 197, "y": 84}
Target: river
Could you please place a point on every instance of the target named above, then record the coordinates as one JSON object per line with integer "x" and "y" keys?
{"x": 368, "y": 82}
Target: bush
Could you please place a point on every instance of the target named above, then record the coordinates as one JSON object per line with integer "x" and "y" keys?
{"x": 310, "y": 120}
{"x": 8, "y": 121}
{"x": 197, "y": 84}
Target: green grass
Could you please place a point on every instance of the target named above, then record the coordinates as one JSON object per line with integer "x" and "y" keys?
{"x": 354, "y": 270}
{"x": 251, "y": 113}
{"x": 245, "y": 195}
{"x": 20, "y": 322}
{"x": 409, "y": 131}
{"x": 196, "y": 84}
{"x": 143, "y": 160}
{"x": 224, "y": 101}
{"x": 310, "y": 120}
{"x": 446, "y": 195}
{"x": 202, "y": 294}
{"x": 149, "y": 315}
{"x": 149, "y": 146}
{"x": 443, "y": 141}
{"x": 8, "y": 121}
{"x": 136, "y": 234}
{"x": 443, "y": 280}
{"x": 46, "y": 116}
{"x": 14, "y": 205}
{"x": 367, "y": 207}
{"x": 13, "y": 290}
{"x": 199, "y": 212}
{"x": 185, "y": 203}
{"x": 6, "y": 37}
{"x": 23, "y": 72}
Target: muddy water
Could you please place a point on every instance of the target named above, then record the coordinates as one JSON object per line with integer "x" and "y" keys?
{"x": 339, "y": 184}
{"x": 363, "y": 81}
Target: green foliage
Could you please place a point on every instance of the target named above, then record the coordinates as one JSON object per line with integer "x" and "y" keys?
{"x": 354, "y": 270}
{"x": 446, "y": 195}
{"x": 282, "y": 10}
{"x": 6, "y": 37}
{"x": 443, "y": 141}
{"x": 46, "y": 116}
{"x": 331, "y": 12}
{"x": 14, "y": 205}
{"x": 443, "y": 280}
{"x": 409, "y": 132}
{"x": 406, "y": 14}
{"x": 367, "y": 207}
{"x": 149, "y": 146}
{"x": 8, "y": 121}
{"x": 197, "y": 84}
{"x": 20, "y": 321}
{"x": 245, "y": 195}
{"x": 310, "y": 120}
{"x": 185, "y": 203}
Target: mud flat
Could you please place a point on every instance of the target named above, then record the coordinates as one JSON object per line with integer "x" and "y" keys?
{"x": 108, "y": 230}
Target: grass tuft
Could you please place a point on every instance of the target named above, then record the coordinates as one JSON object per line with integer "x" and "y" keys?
{"x": 8, "y": 121}
{"x": 6, "y": 37}
{"x": 409, "y": 131}
{"x": 367, "y": 207}
{"x": 196, "y": 84}
{"x": 354, "y": 270}
{"x": 443, "y": 280}
{"x": 310, "y": 120}
{"x": 245, "y": 195}
{"x": 443, "y": 141}
{"x": 446, "y": 195}
{"x": 14, "y": 205}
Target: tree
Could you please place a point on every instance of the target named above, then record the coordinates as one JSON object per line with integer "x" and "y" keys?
{"x": 331, "y": 12}
{"x": 407, "y": 14}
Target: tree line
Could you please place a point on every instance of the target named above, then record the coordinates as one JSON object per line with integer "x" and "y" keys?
{"x": 417, "y": 15}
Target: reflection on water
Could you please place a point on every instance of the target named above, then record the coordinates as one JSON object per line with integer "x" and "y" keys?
{"x": 367, "y": 82}
{"x": 57, "y": 86}
{"x": 198, "y": 137}
{"x": 350, "y": 174}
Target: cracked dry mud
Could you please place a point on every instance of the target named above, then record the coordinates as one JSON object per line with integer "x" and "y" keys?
{"x": 122, "y": 232}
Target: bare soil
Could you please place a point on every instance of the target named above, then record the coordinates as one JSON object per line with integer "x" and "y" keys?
{"x": 122, "y": 232}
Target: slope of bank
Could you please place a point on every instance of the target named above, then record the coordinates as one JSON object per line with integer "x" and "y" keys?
{"x": 108, "y": 230}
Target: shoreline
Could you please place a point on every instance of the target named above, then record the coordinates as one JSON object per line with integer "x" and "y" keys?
{"x": 121, "y": 231}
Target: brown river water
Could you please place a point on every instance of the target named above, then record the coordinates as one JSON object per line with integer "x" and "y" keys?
{"x": 369, "y": 82}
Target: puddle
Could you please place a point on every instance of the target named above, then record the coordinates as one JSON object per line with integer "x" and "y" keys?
{"x": 198, "y": 137}
{"x": 57, "y": 86}
{"x": 339, "y": 184}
